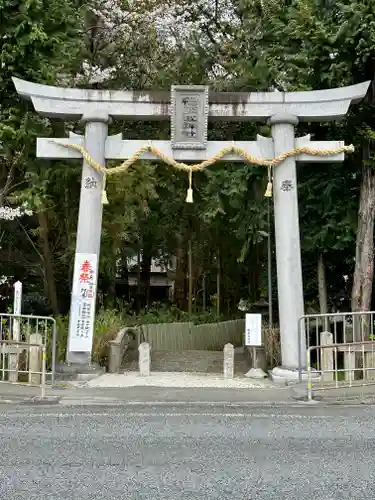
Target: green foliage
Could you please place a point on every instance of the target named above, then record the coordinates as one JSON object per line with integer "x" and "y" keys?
{"x": 39, "y": 44}
{"x": 232, "y": 46}
{"x": 107, "y": 325}
{"x": 160, "y": 313}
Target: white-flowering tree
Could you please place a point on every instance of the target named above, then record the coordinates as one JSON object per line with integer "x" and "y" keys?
{"x": 9, "y": 213}
{"x": 124, "y": 46}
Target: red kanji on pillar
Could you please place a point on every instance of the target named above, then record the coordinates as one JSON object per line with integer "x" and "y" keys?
{"x": 86, "y": 272}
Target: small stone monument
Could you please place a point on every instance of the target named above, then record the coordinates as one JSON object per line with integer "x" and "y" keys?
{"x": 326, "y": 338}
{"x": 17, "y": 310}
{"x": 228, "y": 361}
{"x": 144, "y": 359}
{"x": 35, "y": 359}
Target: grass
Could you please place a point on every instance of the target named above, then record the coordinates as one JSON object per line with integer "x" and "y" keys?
{"x": 107, "y": 325}
{"x": 109, "y": 322}
{"x": 272, "y": 347}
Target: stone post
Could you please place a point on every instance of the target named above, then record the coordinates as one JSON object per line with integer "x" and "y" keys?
{"x": 288, "y": 253}
{"x": 144, "y": 359}
{"x": 326, "y": 338}
{"x": 115, "y": 355}
{"x": 88, "y": 231}
{"x": 17, "y": 309}
{"x": 228, "y": 361}
{"x": 35, "y": 359}
{"x": 370, "y": 363}
{"x": 349, "y": 365}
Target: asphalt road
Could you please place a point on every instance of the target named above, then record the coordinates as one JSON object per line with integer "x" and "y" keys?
{"x": 196, "y": 452}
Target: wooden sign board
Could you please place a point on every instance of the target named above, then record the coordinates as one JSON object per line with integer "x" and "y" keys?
{"x": 189, "y": 116}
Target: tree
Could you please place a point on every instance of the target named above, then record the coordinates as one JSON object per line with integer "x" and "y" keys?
{"x": 338, "y": 48}
{"x": 238, "y": 45}
{"x": 309, "y": 44}
{"x": 40, "y": 43}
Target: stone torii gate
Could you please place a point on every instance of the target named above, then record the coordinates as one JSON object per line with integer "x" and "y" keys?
{"x": 189, "y": 107}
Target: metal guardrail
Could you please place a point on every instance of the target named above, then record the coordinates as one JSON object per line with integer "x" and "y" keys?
{"x": 20, "y": 327}
{"x": 23, "y": 363}
{"x": 358, "y": 369}
{"x": 346, "y": 327}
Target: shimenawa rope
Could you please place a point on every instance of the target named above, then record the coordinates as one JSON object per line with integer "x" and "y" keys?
{"x": 204, "y": 164}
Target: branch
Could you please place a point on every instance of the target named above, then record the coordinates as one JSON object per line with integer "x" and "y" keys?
{"x": 10, "y": 176}
{"x": 30, "y": 240}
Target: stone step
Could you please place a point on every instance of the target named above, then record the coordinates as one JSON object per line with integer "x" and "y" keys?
{"x": 130, "y": 361}
{"x": 186, "y": 361}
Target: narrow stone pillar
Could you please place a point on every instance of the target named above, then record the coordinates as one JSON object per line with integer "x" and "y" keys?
{"x": 228, "y": 361}
{"x": 17, "y": 309}
{"x": 370, "y": 363}
{"x": 326, "y": 338}
{"x": 288, "y": 252}
{"x": 13, "y": 362}
{"x": 115, "y": 355}
{"x": 88, "y": 239}
{"x": 35, "y": 359}
{"x": 349, "y": 366}
{"x": 144, "y": 359}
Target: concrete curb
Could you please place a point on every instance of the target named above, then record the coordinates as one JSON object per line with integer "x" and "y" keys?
{"x": 35, "y": 400}
{"x": 78, "y": 394}
{"x": 114, "y": 402}
{"x": 218, "y": 404}
{"x": 144, "y": 404}
{"x": 48, "y": 400}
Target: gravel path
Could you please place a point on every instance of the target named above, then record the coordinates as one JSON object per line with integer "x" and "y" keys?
{"x": 175, "y": 379}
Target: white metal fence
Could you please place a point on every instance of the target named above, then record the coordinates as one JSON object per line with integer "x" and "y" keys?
{"x": 24, "y": 328}
{"x": 358, "y": 368}
{"x": 345, "y": 327}
{"x": 339, "y": 349}
{"x": 23, "y": 363}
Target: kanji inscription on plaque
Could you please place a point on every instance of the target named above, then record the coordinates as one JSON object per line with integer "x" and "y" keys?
{"x": 189, "y": 117}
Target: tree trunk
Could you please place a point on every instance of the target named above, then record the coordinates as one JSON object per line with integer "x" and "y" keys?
{"x": 145, "y": 278}
{"x": 322, "y": 285}
{"x": 48, "y": 264}
{"x": 190, "y": 277}
{"x": 110, "y": 293}
{"x": 138, "y": 303}
{"x": 180, "y": 277}
{"x": 364, "y": 256}
{"x": 218, "y": 284}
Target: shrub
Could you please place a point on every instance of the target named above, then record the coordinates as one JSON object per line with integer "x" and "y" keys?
{"x": 272, "y": 346}
{"x": 107, "y": 325}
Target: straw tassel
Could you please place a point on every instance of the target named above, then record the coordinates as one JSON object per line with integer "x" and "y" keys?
{"x": 189, "y": 194}
{"x": 268, "y": 193}
{"x": 104, "y": 193}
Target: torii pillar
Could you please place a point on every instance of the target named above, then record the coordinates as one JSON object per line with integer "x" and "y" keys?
{"x": 283, "y": 110}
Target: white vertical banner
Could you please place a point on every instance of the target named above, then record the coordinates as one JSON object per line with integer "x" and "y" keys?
{"x": 82, "y": 315}
{"x": 17, "y": 309}
{"x": 253, "y": 329}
